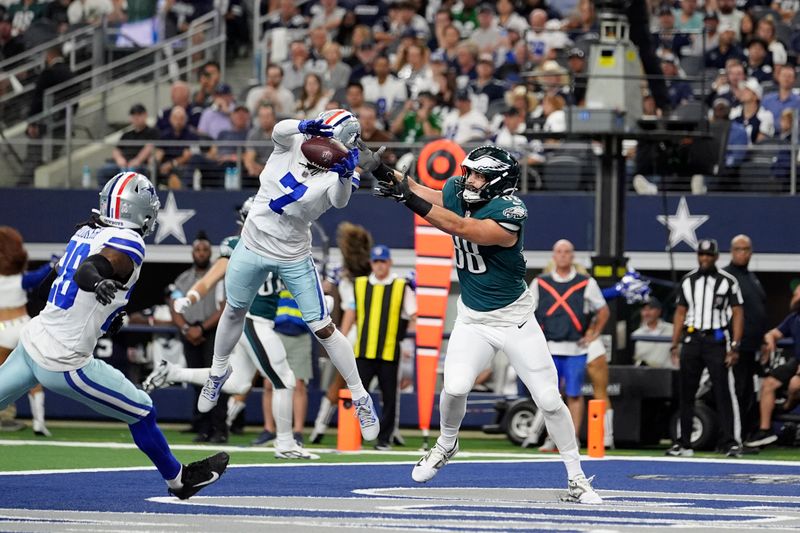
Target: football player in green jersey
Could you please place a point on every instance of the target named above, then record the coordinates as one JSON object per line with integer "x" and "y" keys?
{"x": 495, "y": 310}
{"x": 258, "y": 350}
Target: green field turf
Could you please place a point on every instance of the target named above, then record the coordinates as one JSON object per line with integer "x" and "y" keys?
{"x": 47, "y": 457}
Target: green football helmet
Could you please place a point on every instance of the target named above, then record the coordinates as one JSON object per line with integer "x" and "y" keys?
{"x": 500, "y": 169}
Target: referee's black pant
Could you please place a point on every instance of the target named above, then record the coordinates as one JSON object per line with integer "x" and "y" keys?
{"x": 386, "y": 371}
{"x": 700, "y": 351}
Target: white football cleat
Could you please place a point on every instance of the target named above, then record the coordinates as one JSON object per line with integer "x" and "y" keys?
{"x": 579, "y": 490}
{"x": 209, "y": 396}
{"x": 158, "y": 378}
{"x": 365, "y": 412}
{"x": 40, "y": 430}
{"x": 549, "y": 446}
{"x": 432, "y": 462}
{"x": 294, "y": 452}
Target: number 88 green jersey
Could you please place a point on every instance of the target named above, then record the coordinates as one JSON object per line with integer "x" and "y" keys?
{"x": 491, "y": 277}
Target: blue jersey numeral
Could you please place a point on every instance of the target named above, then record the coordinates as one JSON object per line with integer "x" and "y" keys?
{"x": 64, "y": 289}
{"x": 297, "y": 192}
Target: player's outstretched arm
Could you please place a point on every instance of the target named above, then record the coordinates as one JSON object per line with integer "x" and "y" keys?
{"x": 100, "y": 273}
{"x": 484, "y": 232}
{"x": 202, "y": 286}
{"x": 371, "y": 162}
{"x": 426, "y": 193}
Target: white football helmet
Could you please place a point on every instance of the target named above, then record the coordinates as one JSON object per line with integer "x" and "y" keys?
{"x": 129, "y": 200}
{"x": 346, "y": 127}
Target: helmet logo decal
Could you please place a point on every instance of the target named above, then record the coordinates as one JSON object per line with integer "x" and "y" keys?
{"x": 489, "y": 163}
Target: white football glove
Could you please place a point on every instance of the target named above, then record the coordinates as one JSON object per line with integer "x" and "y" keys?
{"x": 181, "y": 305}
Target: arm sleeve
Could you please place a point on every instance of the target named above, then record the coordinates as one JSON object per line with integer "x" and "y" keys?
{"x": 508, "y": 211}
{"x": 594, "y": 297}
{"x": 128, "y": 242}
{"x": 785, "y": 327}
{"x": 735, "y": 294}
{"x": 681, "y": 298}
{"x": 32, "y": 278}
{"x": 43, "y": 289}
{"x": 409, "y": 303}
{"x": 339, "y": 193}
{"x": 609, "y": 293}
{"x": 347, "y": 295}
{"x": 92, "y": 270}
{"x": 282, "y": 134}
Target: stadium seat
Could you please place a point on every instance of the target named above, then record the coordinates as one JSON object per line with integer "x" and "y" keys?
{"x": 693, "y": 65}
{"x": 783, "y": 33}
{"x": 563, "y": 172}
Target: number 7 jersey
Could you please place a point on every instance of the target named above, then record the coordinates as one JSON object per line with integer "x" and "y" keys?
{"x": 289, "y": 199}
{"x": 491, "y": 277}
{"x": 64, "y": 335}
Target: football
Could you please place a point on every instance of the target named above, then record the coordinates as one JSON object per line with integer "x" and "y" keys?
{"x": 323, "y": 152}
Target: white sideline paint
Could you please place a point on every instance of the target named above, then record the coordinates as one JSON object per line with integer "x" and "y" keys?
{"x": 463, "y": 457}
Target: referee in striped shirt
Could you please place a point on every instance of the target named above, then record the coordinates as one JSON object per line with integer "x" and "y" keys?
{"x": 708, "y": 326}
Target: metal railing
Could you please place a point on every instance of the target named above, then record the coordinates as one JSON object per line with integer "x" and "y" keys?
{"x": 262, "y": 41}
{"x": 18, "y": 75}
{"x": 178, "y": 60}
{"x": 563, "y": 168}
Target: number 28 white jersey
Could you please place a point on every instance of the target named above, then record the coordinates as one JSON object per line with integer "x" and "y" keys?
{"x": 65, "y": 333}
{"x": 290, "y": 199}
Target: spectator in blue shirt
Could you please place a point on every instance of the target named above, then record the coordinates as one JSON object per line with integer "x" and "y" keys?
{"x": 738, "y": 139}
{"x": 782, "y": 379}
{"x": 782, "y": 162}
{"x": 679, "y": 90}
{"x": 212, "y": 165}
{"x": 175, "y": 150}
{"x": 785, "y": 97}
{"x": 217, "y": 118}
{"x": 181, "y": 95}
{"x": 726, "y": 49}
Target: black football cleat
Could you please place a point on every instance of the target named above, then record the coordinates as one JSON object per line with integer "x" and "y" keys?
{"x": 200, "y": 474}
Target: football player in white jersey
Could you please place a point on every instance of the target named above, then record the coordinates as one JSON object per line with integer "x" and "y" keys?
{"x": 258, "y": 350}
{"x": 276, "y": 239}
{"x": 92, "y": 285}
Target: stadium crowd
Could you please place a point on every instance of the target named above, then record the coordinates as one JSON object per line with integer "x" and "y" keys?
{"x": 468, "y": 71}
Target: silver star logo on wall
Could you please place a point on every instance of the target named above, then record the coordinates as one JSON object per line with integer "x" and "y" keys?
{"x": 171, "y": 220}
{"x": 683, "y": 225}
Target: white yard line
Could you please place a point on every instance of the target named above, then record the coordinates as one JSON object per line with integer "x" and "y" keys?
{"x": 463, "y": 457}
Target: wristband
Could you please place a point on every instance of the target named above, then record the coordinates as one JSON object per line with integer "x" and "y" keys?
{"x": 194, "y": 293}
{"x": 419, "y": 205}
{"x": 384, "y": 173}
{"x": 185, "y": 328}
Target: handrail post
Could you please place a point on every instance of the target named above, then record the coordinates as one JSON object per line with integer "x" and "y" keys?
{"x": 256, "y": 40}
{"x": 46, "y": 139}
{"x": 156, "y": 85}
{"x": 98, "y": 56}
{"x": 793, "y": 156}
{"x": 239, "y": 163}
{"x": 68, "y": 145}
{"x": 221, "y": 31}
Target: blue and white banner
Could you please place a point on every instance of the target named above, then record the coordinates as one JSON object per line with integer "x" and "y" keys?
{"x": 49, "y": 216}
